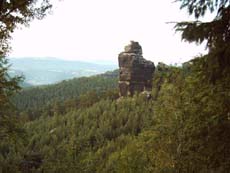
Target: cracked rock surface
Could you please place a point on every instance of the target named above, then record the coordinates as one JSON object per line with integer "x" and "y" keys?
{"x": 136, "y": 73}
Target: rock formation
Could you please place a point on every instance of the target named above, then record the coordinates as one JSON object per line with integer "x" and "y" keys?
{"x": 136, "y": 73}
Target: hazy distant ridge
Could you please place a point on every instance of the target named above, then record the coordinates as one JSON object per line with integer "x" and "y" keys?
{"x": 40, "y": 71}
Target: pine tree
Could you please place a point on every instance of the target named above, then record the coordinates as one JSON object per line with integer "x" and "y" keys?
{"x": 215, "y": 32}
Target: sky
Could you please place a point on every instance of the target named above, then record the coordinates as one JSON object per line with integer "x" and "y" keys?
{"x": 98, "y": 30}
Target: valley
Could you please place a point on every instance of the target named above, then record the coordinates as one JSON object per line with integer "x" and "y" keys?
{"x": 43, "y": 71}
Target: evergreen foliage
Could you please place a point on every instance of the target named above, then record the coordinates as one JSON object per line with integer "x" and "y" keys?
{"x": 35, "y": 101}
{"x": 183, "y": 128}
{"x": 215, "y": 32}
{"x": 12, "y": 13}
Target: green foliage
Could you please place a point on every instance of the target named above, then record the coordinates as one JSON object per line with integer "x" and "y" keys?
{"x": 8, "y": 86}
{"x": 208, "y": 91}
{"x": 200, "y": 7}
{"x": 215, "y": 32}
{"x": 183, "y": 128}
{"x": 12, "y": 13}
{"x": 194, "y": 115}
{"x": 66, "y": 95}
{"x": 84, "y": 138}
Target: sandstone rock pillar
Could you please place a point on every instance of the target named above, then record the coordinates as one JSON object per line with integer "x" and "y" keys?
{"x": 136, "y": 73}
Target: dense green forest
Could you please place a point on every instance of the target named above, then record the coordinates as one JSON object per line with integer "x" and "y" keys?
{"x": 82, "y": 125}
{"x": 35, "y": 101}
{"x": 184, "y": 126}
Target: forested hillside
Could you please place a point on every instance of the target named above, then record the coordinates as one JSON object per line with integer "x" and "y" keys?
{"x": 64, "y": 93}
{"x": 82, "y": 125}
{"x": 184, "y": 126}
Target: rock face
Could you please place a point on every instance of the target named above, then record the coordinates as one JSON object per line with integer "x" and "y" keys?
{"x": 136, "y": 73}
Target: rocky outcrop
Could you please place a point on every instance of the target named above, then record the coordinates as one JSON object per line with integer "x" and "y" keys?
{"x": 135, "y": 73}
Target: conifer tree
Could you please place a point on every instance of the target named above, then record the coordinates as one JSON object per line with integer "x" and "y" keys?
{"x": 215, "y": 32}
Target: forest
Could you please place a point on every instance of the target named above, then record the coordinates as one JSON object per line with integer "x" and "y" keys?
{"x": 34, "y": 101}
{"x": 82, "y": 125}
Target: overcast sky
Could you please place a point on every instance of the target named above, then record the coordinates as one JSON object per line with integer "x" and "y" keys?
{"x": 96, "y": 30}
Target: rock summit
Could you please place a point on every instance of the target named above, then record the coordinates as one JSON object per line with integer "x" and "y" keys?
{"x": 135, "y": 72}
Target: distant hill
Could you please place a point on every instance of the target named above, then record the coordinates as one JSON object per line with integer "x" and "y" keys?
{"x": 42, "y": 71}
